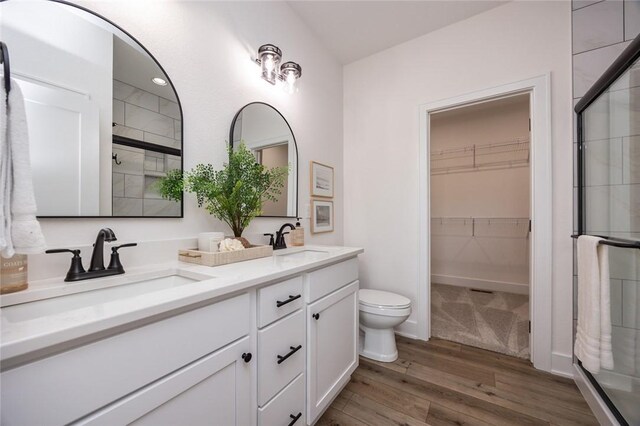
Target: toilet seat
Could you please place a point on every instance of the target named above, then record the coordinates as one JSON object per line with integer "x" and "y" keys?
{"x": 383, "y": 303}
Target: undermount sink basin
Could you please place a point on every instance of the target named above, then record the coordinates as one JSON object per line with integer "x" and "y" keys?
{"x": 304, "y": 254}
{"x": 123, "y": 288}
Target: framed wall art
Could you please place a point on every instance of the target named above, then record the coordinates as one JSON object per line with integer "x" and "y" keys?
{"x": 321, "y": 180}
{"x": 321, "y": 216}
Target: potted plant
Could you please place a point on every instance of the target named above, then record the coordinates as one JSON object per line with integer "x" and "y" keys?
{"x": 233, "y": 194}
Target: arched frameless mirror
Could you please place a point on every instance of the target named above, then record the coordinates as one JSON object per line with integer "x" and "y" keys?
{"x": 104, "y": 120}
{"x": 265, "y": 131}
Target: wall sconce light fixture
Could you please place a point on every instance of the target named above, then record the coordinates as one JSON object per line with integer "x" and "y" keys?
{"x": 269, "y": 57}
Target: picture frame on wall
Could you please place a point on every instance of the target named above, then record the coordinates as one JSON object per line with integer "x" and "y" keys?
{"x": 321, "y": 180}
{"x": 321, "y": 216}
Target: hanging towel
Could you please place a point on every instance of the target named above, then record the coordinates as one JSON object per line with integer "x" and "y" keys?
{"x": 21, "y": 231}
{"x": 593, "y": 337}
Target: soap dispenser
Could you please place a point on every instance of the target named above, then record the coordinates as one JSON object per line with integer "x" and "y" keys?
{"x": 297, "y": 235}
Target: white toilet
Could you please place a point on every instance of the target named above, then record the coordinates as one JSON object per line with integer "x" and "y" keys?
{"x": 380, "y": 312}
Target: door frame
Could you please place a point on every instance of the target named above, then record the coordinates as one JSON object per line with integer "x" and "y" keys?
{"x": 540, "y": 253}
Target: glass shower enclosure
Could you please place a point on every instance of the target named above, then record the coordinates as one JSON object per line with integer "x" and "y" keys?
{"x": 608, "y": 205}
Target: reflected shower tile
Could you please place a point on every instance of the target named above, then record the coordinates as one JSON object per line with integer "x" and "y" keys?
{"x": 150, "y": 188}
{"x": 169, "y": 108}
{"x": 159, "y": 140}
{"x": 117, "y": 184}
{"x": 127, "y": 206}
{"x": 178, "y": 130}
{"x": 131, "y": 162}
{"x": 148, "y": 121}
{"x": 127, "y": 132}
{"x": 173, "y": 162}
{"x": 150, "y": 164}
{"x": 631, "y": 159}
{"x": 118, "y": 112}
{"x": 603, "y": 162}
{"x": 133, "y": 186}
{"x": 161, "y": 208}
{"x": 135, "y": 96}
{"x": 616, "y": 302}
{"x": 630, "y": 304}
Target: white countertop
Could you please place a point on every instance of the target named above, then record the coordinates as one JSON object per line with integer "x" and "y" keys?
{"x": 20, "y": 336}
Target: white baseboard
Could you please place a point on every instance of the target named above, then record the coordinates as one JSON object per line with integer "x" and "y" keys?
{"x": 597, "y": 405}
{"x": 408, "y": 329}
{"x": 562, "y": 365}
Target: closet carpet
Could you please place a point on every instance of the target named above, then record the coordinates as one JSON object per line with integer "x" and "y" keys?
{"x": 494, "y": 321}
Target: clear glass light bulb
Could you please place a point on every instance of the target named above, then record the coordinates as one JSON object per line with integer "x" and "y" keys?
{"x": 290, "y": 82}
{"x": 269, "y": 65}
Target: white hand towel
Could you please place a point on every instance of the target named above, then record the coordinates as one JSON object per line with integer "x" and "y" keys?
{"x": 593, "y": 337}
{"x": 22, "y": 233}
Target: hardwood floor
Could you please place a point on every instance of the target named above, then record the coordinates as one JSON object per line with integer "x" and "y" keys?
{"x": 446, "y": 383}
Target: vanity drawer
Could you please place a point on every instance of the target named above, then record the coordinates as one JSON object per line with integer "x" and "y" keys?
{"x": 64, "y": 387}
{"x": 327, "y": 280}
{"x": 273, "y": 301}
{"x": 286, "y": 407}
{"x": 279, "y": 340}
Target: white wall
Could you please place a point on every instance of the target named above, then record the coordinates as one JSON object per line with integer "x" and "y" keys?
{"x": 382, "y": 94}
{"x": 206, "y": 49}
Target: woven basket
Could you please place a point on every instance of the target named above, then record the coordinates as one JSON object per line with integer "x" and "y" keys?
{"x": 223, "y": 258}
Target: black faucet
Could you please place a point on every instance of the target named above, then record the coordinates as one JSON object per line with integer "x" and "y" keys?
{"x": 97, "y": 257}
{"x": 280, "y": 243}
{"x": 76, "y": 271}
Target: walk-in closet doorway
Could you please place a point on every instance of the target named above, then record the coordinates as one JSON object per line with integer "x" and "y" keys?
{"x": 485, "y": 220}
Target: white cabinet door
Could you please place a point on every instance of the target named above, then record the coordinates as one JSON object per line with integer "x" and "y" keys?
{"x": 215, "y": 390}
{"x": 332, "y": 354}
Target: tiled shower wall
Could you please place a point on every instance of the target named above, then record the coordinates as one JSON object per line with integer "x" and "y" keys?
{"x": 143, "y": 116}
{"x": 601, "y": 31}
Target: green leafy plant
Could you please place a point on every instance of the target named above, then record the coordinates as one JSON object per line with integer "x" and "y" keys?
{"x": 234, "y": 194}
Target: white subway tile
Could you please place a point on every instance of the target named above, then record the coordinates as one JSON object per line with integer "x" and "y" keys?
{"x": 597, "y": 26}
{"x": 589, "y": 66}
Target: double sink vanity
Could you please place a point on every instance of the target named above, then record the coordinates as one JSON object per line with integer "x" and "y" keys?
{"x": 263, "y": 342}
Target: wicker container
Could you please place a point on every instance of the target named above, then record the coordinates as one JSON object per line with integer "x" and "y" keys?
{"x": 223, "y": 257}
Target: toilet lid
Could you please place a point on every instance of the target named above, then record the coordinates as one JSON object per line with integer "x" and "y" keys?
{"x": 383, "y": 299}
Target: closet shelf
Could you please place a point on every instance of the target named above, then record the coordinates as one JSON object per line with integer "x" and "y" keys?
{"x": 490, "y": 227}
{"x": 514, "y": 153}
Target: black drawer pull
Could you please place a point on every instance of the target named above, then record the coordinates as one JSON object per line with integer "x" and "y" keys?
{"x": 295, "y": 418}
{"x": 294, "y": 349}
{"x": 246, "y": 357}
{"x": 289, "y": 300}
{"x": 316, "y": 316}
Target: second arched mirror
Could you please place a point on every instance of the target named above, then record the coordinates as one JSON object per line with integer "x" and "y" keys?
{"x": 265, "y": 131}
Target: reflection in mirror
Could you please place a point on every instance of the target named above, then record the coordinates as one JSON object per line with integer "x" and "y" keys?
{"x": 102, "y": 130}
{"x": 267, "y": 134}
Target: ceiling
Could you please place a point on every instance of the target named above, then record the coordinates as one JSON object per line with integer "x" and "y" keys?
{"x": 354, "y": 29}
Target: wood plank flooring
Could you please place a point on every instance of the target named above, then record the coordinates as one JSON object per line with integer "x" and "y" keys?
{"x": 444, "y": 383}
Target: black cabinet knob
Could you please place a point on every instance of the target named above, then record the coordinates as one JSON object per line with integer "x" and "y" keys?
{"x": 316, "y": 316}
{"x": 246, "y": 356}
{"x": 295, "y": 418}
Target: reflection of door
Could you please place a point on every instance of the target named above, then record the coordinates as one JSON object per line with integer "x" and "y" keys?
{"x": 64, "y": 146}
{"x": 270, "y": 157}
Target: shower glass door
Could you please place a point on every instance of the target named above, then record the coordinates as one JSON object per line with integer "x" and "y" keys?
{"x": 609, "y": 206}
